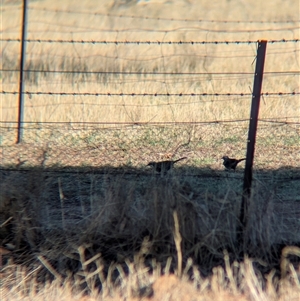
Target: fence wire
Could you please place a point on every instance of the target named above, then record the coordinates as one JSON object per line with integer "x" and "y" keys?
{"x": 154, "y": 88}
{"x": 158, "y": 43}
{"x": 132, "y": 146}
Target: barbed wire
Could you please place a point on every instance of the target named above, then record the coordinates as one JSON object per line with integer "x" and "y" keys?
{"x": 106, "y": 42}
{"x": 122, "y": 105}
{"x": 146, "y": 94}
{"x": 164, "y": 19}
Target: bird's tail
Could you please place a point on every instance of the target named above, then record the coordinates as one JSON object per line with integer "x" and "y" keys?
{"x": 180, "y": 159}
{"x": 241, "y": 160}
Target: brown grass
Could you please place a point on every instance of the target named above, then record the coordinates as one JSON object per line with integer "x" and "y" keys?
{"x": 168, "y": 287}
{"x": 85, "y": 219}
{"x": 205, "y": 59}
{"x": 97, "y": 229}
{"x": 238, "y": 281}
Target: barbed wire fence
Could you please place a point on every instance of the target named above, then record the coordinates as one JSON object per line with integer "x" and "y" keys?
{"x": 127, "y": 98}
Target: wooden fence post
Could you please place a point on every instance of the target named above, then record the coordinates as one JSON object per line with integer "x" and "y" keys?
{"x": 258, "y": 78}
{"x": 22, "y": 67}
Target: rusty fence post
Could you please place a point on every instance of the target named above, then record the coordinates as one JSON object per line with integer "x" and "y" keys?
{"x": 22, "y": 67}
{"x": 257, "y": 85}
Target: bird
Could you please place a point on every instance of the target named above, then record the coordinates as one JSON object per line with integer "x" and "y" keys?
{"x": 231, "y": 163}
{"x": 164, "y": 166}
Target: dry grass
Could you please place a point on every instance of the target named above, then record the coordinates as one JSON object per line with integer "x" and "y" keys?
{"x": 135, "y": 145}
{"x": 116, "y": 234}
{"x": 153, "y": 283}
{"x": 82, "y": 215}
{"x": 205, "y": 59}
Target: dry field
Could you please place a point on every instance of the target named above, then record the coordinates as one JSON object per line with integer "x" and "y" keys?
{"x": 79, "y": 206}
{"x": 91, "y": 23}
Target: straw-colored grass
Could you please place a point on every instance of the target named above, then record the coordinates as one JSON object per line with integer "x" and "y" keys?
{"x": 235, "y": 282}
{"x": 83, "y": 216}
{"x": 206, "y": 59}
{"x": 114, "y": 231}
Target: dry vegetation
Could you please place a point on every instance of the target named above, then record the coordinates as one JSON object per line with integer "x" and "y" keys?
{"x": 99, "y": 58}
{"x": 83, "y": 217}
{"x": 113, "y": 236}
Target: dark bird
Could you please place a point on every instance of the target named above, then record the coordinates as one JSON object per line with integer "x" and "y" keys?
{"x": 231, "y": 163}
{"x": 164, "y": 166}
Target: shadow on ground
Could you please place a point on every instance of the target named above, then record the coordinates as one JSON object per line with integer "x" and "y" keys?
{"x": 125, "y": 212}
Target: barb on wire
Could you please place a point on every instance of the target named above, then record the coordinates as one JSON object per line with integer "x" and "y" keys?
{"x": 105, "y": 42}
{"x": 146, "y": 94}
